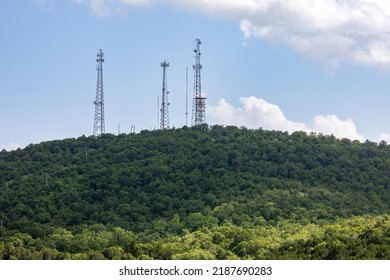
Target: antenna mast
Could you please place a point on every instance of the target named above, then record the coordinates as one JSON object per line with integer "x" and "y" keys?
{"x": 98, "y": 127}
{"x": 164, "y": 121}
{"x": 199, "y": 102}
{"x": 186, "y": 96}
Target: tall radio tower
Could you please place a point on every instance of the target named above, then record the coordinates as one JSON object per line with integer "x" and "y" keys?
{"x": 98, "y": 127}
{"x": 164, "y": 122}
{"x": 199, "y": 102}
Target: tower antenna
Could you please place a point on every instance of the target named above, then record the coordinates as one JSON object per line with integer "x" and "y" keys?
{"x": 164, "y": 121}
{"x": 98, "y": 127}
{"x": 199, "y": 102}
{"x": 186, "y": 96}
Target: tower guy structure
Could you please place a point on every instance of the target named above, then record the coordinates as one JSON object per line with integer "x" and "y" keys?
{"x": 98, "y": 127}
{"x": 199, "y": 102}
{"x": 164, "y": 121}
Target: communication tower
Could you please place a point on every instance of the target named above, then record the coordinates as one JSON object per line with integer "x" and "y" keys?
{"x": 186, "y": 96}
{"x": 98, "y": 127}
{"x": 199, "y": 102}
{"x": 164, "y": 121}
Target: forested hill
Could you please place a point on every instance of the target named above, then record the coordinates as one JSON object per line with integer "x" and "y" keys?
{"x": 155, "y": 186}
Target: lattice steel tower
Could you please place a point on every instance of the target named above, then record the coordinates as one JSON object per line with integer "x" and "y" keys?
{"x": 199, "y": 102}
{"x": 98, "y": 127}
{"x": 164, "y": 122}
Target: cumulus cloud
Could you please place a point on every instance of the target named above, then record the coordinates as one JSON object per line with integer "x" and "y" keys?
{"x": 331, "y": 124}
{"x": 326, "y": 31}
{"x": 9, "y": 147}
{"x": 256, "y": 112}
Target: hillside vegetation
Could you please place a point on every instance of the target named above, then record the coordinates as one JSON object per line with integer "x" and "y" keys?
{"x": 196, "y": 193}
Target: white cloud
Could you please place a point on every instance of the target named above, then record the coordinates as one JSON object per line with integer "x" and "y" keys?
{"x": 326, "y": 31}
{"x": 384, "y": 137}
{"x": 331, "y": 124}
{"x": 256, "y": 112}
{"x": 9, "y": 147}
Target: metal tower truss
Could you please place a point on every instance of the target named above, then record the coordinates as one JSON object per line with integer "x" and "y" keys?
{"x": 164, "y": 121}
{"x": 199, "y": 102}
{"x": 98, "y": 127}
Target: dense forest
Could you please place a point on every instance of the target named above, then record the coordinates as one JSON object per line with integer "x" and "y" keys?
{"x": 206, "y": 192}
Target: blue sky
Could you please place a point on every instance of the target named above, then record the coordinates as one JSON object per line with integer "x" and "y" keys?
{"x": 286, "y": 65}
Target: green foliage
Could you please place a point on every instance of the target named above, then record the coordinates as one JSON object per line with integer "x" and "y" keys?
{"x": 364, "y": 237}
{"x": 196, "y": 193}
